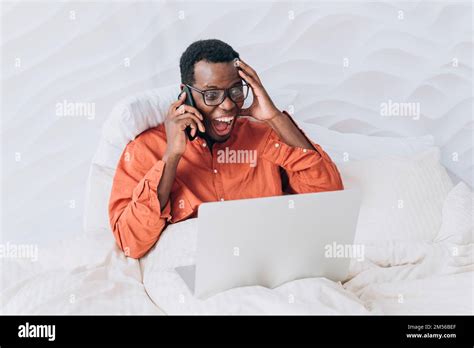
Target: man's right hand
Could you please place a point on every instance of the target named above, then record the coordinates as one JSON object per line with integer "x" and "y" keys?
{"x": 178, "y": 118}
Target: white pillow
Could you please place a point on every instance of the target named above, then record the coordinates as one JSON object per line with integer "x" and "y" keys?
{"x": 458, "y": 212}
{"x": 402, "y": 198}
{"x": 135, "y": 114}
{"x": 342, "y": 147}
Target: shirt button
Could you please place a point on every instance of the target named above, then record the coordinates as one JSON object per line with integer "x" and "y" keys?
{"x": 204, "y": 144}
{"x": 277, "y": 145}
{"x": 222, "y": 199}
{"x": 215, "y": 171}
{"x": 305, "y": 150}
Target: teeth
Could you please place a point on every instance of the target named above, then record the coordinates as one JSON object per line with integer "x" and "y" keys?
{"x": 227, "y": 120}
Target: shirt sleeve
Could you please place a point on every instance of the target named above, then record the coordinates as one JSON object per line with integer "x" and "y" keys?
{"x": 308, "y": 170}
{"x": 134, "y": 210}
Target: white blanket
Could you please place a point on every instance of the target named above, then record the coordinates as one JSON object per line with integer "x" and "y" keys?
{"x": 82, "y": 276}
{"x": 422, "y": 278}
{"x": 416, "y": 278}
{"x": 92, "y": 276}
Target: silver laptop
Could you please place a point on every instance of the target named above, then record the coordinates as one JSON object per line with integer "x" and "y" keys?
{"x": 272, "y": 240}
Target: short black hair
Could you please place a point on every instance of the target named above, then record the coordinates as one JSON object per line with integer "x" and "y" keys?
{"x": 211, "y": 50}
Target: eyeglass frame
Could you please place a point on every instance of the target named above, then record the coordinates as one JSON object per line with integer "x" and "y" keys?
{"x": 226, "y": 92}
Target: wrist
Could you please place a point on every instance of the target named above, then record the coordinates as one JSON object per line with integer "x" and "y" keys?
{"x": 171, "y": 156}
{"x": 275, "y": 118}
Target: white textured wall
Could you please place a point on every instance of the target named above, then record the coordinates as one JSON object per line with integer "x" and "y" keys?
{"x": 297, "y": 46}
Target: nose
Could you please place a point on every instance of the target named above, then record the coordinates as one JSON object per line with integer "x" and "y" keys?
{"x": 227, "y": 104}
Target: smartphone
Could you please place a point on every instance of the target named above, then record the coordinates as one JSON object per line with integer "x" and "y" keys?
{"x": 189, "y": 101}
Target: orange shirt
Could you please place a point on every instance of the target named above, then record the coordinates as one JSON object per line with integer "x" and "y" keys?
{"x": 253, "y": 162}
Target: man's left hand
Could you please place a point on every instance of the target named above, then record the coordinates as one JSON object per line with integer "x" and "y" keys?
{"x": 262, "y": 107}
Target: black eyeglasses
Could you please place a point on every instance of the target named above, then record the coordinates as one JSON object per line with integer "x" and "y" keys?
{"x": 214, "y": 97}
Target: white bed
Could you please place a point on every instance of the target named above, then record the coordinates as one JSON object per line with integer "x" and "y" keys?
{"x": 91, "y": 276}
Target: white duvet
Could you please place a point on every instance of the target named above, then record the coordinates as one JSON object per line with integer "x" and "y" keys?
{"x": 89, "y": 275}
{"x": 424, "y": 278}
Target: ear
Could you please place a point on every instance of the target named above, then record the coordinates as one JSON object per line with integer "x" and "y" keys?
{"x": 181, "y": 86}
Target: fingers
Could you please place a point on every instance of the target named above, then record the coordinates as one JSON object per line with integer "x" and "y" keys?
{"x": 248, "y": 70}
{"x": 185, "y": 115}
{"x": 187, "y": 119}
{"x": 257, "y": 88}
{"x": 191, "y": 124}
{"x": 176, "y": 104}
{"x": 249, "y": 79}
{"x": 183, "y": 109}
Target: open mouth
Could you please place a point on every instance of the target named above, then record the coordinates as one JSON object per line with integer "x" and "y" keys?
{"x": 222, "y": 125}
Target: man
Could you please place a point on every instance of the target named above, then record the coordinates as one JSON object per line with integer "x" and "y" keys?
{"x": 163, "y": 177}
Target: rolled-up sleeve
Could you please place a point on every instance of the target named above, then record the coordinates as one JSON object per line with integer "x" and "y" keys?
{"x": 308, "y": 170}
{"x": 134, "y": 210}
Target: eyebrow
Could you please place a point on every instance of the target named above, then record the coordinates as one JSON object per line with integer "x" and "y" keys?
{"x": 215, "y": 87}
